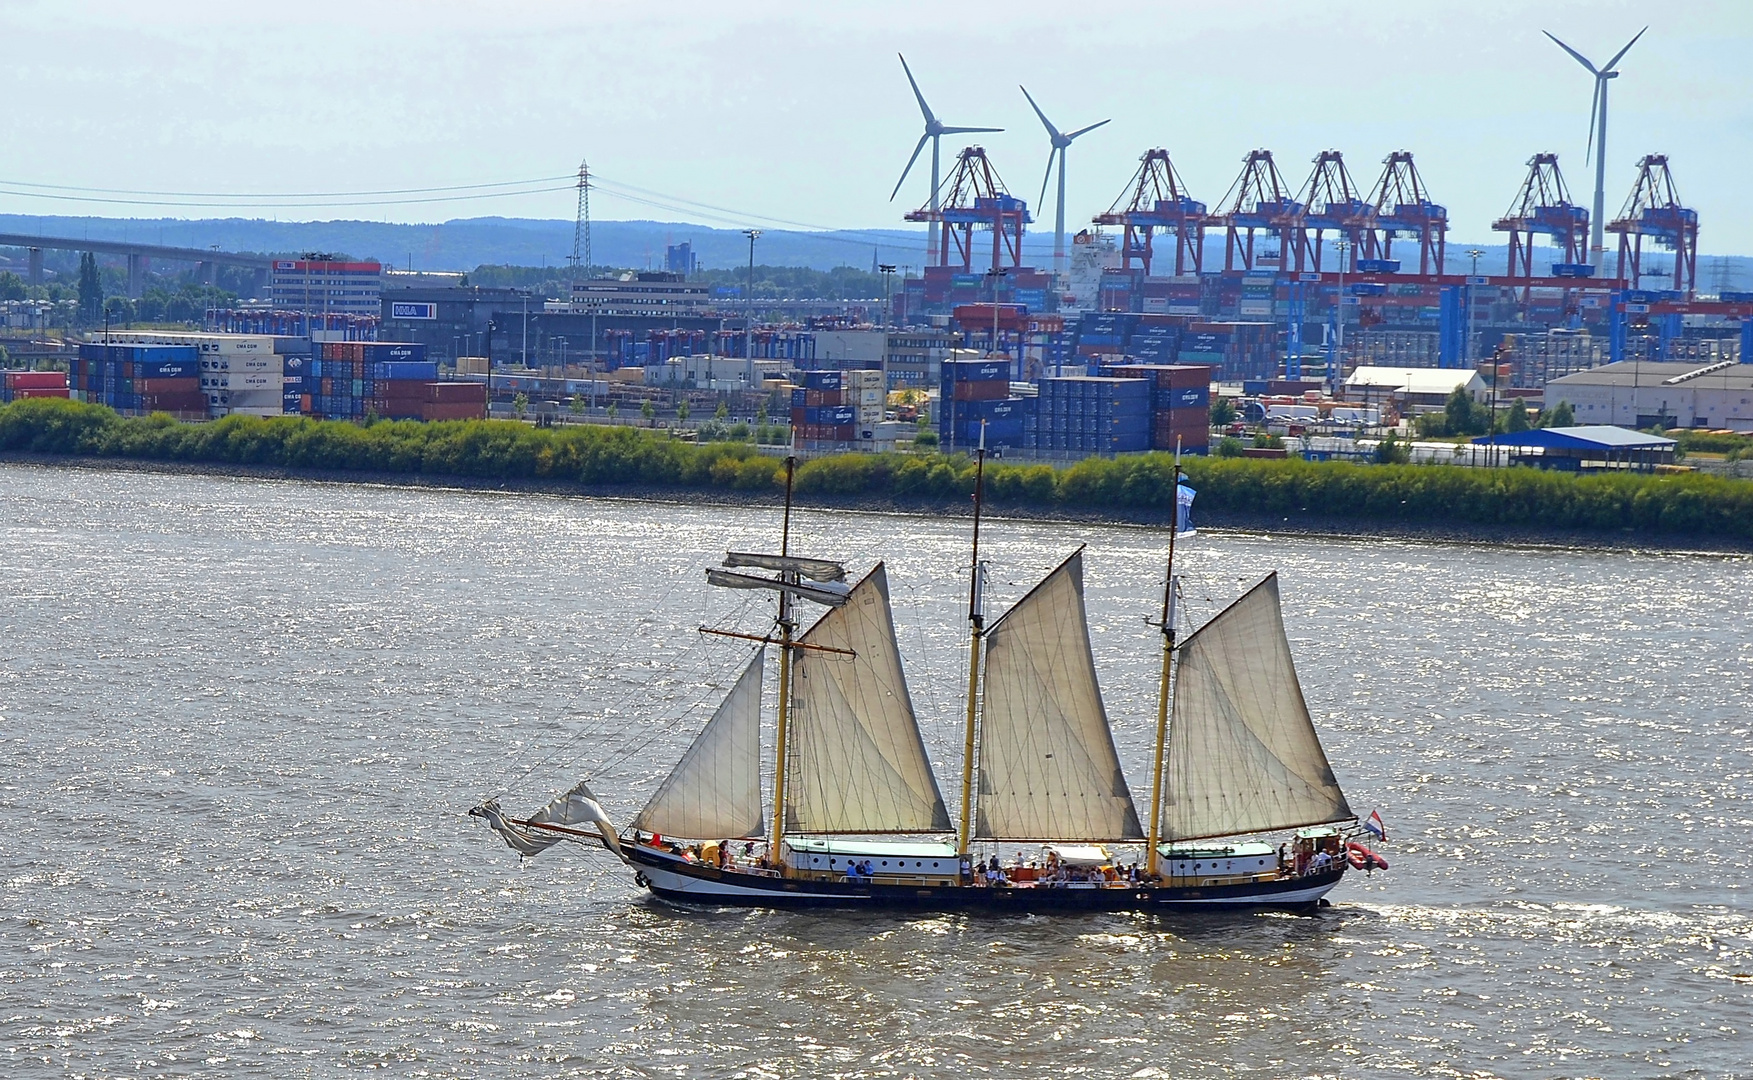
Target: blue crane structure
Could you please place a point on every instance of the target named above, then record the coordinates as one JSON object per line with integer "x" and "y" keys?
{"x": 1156, "y": 200}
{"x": 1654, "y": 210}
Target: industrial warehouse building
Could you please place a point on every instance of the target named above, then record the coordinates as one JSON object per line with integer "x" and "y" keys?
{"x": 1412, "y": 390}
{"x": 1648, "y": 393}
{"x": 1592, "y": 446}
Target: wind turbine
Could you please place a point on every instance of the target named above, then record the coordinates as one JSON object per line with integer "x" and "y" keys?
{"x": 934, "y": 129}
{"x": 1060, "y": 140}
{"x": 1598, "y": 136}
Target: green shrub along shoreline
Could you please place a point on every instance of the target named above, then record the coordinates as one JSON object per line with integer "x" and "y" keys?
{"x": 1425, "y": 496}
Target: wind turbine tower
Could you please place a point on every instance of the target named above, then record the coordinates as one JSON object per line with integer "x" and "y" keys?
{"x": 935, "y": 129}
{"x": 1060, "y": 141}
{"x": 1598, "y": 139}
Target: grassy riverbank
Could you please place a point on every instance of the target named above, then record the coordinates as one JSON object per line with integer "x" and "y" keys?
{"x": 1702, "y": 507}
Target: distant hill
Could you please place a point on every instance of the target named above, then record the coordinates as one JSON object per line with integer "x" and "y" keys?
{"x": 466, "y": 243}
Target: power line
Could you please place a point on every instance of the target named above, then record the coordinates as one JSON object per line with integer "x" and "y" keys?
{"x": 283, "y": 194}
{"x": 267, "y": 204}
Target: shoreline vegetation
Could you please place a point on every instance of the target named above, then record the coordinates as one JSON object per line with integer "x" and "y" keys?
{"x": 1436, "y": 501}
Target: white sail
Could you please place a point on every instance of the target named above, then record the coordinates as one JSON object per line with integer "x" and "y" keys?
{"x": 1243, "y": 755}
{"x": 1048, "y": 770}
{"x": 855, "y": 762}
{"x": 714, "y": 792}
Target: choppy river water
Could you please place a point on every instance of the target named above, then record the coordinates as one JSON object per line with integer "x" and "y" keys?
{"x": 241, "y": 722}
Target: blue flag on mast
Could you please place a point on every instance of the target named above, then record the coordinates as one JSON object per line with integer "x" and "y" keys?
{"x": 1184, "y": 510}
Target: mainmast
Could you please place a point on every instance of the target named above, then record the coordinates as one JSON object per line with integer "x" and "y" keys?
{"x": 786, "y": 626}
{"x": 976, "y": 626}
{"x": 1154, "y": 835}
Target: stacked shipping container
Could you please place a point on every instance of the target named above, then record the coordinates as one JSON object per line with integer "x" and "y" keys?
{"x": 353, "y": 379}
{"x": 1084, "y": 414}
{"x": 138, "y": 379}
{"x": 821, "y": 416}
{"x": 16, "y": 385}
{"x": 239, "y": 373}
{"x": 1180, "y": 404}
{"x": 978, "y": 390}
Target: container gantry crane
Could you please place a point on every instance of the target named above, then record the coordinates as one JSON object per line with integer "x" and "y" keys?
{"x": 976, "y": 199}
{"x": 1331, "y": 202}
{"x": 1156, "y": 200}
{"x": 1259, "y": 200}
{"x": 1543, "y": 207}
{"x": 1401, "y": 205}
{"x": 1654, "y": 210}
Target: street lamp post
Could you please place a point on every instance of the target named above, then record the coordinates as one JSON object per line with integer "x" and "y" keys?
{"x": 993, "y": 277}
{"x": 1336, "y": 370}
{"x": 1475, "y": 254}
{"x": 749, "y": 311}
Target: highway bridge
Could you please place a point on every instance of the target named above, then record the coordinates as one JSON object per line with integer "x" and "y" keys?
{"x": 205, "y": 259}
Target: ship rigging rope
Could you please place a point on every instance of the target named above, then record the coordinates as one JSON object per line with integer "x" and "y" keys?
{"x": 611, "y": 708}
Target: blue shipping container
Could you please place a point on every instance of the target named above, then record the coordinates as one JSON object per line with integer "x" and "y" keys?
{"x": 417, "y": 370}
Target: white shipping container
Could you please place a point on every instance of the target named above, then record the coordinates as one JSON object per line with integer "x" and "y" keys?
{"x": 872, "y": 414}
{"x": 255, "y": 397}
{"x": 872, "y": 397}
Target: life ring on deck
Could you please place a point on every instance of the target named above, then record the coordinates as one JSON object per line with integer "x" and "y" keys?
{"x": 1362, "y": 858}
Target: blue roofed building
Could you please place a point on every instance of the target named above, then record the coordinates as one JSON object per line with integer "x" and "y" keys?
{"x": 1589, "y": 447}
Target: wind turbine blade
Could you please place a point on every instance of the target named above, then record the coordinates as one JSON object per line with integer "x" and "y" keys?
{"x": 1085, "y": 130}
{"x": 923, "y": 107}
{"x": 916, "y": 149}
{"x": 1594, "y": 111}
{"x": 1579, "y": 57}
{"x": 1620, "y": 55}
{"x": 963, "y": 130}
{"x": 1052, "y": 131}
{"x": 1042, "y": 201}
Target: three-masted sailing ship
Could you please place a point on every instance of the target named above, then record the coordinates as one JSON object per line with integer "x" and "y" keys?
{"x": 1047, "y": 821}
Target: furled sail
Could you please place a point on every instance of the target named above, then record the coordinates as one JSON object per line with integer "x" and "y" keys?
{"x": 1243, "y": 755}
{"x": 814, "y": 569}
{"x": 1048, "y": 770}
{"x": 714, "y": 792}
{"x": 855, "y": 760}
{"x": 577, "y": 806}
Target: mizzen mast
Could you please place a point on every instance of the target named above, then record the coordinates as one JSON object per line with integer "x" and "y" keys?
{"x": 976, "y": 626}
{"x": 786, "y": 627}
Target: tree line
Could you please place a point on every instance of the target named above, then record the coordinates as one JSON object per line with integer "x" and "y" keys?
{"x": 1288, "y": 489}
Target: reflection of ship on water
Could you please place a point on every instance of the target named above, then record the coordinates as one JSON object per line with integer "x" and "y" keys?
{"x": 857, "y": 817}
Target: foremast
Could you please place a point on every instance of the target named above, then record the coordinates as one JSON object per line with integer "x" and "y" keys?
{"x": 787, "y": 625}
{"x": 976, "y": 627}
{"x": 1154, "y": 836}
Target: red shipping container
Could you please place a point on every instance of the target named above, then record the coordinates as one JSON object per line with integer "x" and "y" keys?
{"x": 179, "y": 402}
{"x": 304, "y": 403}
{"x": 36, "y": 380}
{"x": 457, "y": 393}
{"x": 402, "y": 389}
{"x": 459, "y": 410}
{"x": 983, "y": 390}
{"x": 41, "y": 391}
{"x": 167, "y": 386}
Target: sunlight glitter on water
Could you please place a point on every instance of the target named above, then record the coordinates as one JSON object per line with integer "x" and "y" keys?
{"x": 243, "y": 721}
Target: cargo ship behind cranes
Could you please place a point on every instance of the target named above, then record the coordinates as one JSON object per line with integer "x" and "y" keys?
{"x": 857, "y": 817}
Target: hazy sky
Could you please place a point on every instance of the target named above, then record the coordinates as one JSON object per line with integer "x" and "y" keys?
{"x": 800, "y": 112}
